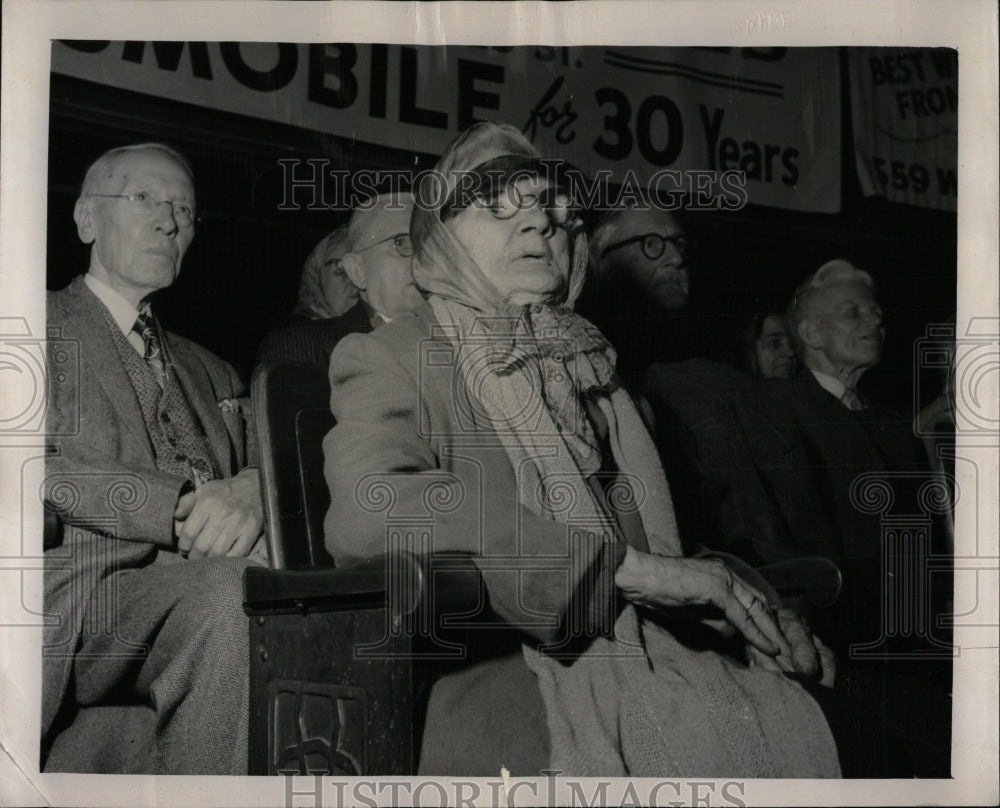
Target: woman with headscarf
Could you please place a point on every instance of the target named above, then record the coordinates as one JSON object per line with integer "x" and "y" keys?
{"x": 490, "y": 423}
{"x": 327, "y": 308}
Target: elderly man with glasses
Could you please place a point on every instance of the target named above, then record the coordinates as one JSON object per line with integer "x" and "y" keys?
{"x": 155, "y": 510}
{"x": 373, "y": 257}
{"x": 638, "y": 288}
{"x": 651, "y": 248}
{"x": 378, "y": 258}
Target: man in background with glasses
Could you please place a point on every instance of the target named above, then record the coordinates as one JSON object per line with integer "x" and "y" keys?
{"x": 145, "y": 666}
{"x": 652, "y": 249}
{"x": 376, "y": 265}
{"x": 379, "y": 255}
{"x": 638, "y": 288}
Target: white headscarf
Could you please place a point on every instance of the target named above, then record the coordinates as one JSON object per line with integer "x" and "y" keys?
{"x": 325, "y": 290}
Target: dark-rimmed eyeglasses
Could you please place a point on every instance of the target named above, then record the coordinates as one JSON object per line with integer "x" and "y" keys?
{"x": 653, "y": 245}
{"x": 182, "y": 212}
{"x": 509, "y": 201}
{"x": 401, "y": 242}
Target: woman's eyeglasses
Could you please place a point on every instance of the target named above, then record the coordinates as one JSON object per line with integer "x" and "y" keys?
{"x": 507, "y": 202}
{"x": 401, "y": 242}
{"x": 182, "y": 212}
{"x": 653, "y": 245}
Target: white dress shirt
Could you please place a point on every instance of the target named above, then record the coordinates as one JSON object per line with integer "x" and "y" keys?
{"x": 122, "y": 312}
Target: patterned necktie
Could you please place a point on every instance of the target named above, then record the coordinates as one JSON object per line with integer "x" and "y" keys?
{"x": 145, "y": 327}
{"x": 852, "y": 400}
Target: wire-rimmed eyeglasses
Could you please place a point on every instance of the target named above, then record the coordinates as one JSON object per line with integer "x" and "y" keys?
{"x": 653, "y": 245}
{"x": 183, "y": 213}
{"x": 401, "y": 241}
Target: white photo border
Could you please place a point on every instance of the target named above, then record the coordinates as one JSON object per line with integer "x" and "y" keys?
{"x": 28, "y": 29}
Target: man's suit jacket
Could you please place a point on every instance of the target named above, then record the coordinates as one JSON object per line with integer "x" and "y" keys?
{"x": 313, "y": 341}
{"x": 115, "y": 507}
{"x": 766, "y": 469}
{"x": 775, "y": 460}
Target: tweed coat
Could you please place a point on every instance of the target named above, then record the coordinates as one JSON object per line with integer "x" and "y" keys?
{"x": 401, "y": 408}
{"x": 101, "y": 475}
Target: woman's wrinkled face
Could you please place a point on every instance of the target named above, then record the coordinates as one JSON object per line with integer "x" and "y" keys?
{"x": 518, "y": 242}
{"x": 338, "y": 291}
{"x": 773, "y": 352}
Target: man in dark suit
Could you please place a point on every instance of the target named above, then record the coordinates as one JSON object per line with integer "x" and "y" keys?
{"x": 875, "y": 471}
{"x": 145, "y": 659}
{"x": 377, "y": 263}
{"x": 772, "y": 470}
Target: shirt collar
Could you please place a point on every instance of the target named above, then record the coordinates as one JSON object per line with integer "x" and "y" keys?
{"x": 375, "y": 318}
{"x": 122, "y": 312}
{"x": 834, "y": 387}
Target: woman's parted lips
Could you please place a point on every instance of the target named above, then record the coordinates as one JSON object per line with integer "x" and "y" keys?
{"x": 540, "y": 254}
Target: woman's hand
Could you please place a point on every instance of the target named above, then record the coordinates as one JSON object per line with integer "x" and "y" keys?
{"x": 662, "y": 583}
{"x": 807, "y": 655}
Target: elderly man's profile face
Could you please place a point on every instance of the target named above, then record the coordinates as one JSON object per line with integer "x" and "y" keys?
{"x": 379, "y": 262}
{"x": 519, "y": 247}
{"x": 664, "y": 281}
{"x": 137, "y": 250}
{"x": 848, "y": 325}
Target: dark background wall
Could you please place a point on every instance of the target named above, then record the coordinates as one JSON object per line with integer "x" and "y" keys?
{"x": 240, "y": 277}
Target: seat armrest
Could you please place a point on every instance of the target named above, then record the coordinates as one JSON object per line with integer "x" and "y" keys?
{"x": 446, "y": 582}
{"x": 267, "y": 591}
{"x": 815, "y": 579}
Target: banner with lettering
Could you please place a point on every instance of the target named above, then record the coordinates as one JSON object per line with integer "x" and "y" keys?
{"x": 767, "y": 120}
{"x": 905, "y": 108}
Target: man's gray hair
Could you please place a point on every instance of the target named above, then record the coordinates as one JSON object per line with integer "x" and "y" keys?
{"x": 103, "y": 167}
{"x": 363, "y": 212}
{"x": 836, "y": 271}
